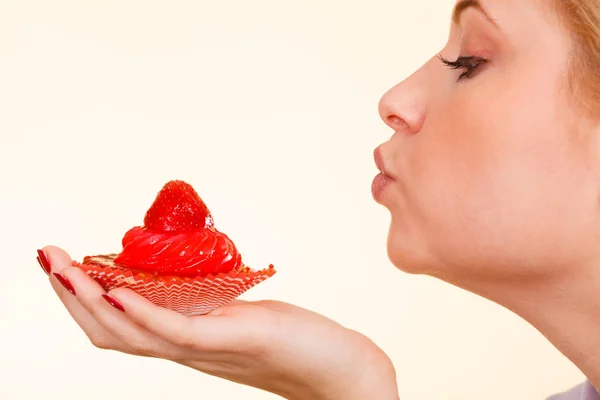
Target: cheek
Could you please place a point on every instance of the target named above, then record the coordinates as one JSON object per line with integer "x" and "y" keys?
{"x": 493, "y": 180}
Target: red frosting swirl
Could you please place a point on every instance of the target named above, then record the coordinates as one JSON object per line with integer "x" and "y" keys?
{"x": 197, "y": 252}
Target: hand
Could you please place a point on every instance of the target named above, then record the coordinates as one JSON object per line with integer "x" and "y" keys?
{"x": 270, "y": 345}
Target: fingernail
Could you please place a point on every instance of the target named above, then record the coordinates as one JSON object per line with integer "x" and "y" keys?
{"x": 113, "y": 302}
{"x": 41, "y": 265}
{"x": 65, "y": 282}
{"x": 44, "y": 262}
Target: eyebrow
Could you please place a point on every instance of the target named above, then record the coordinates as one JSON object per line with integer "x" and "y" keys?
{"x": 464, "y": 5}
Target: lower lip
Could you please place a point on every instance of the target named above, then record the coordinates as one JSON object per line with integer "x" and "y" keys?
{"x": 380, "y": 182}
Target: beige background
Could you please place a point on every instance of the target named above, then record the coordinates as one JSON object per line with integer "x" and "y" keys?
{"x": 269, "y": 108}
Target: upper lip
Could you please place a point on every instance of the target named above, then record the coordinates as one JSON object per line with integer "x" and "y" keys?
{"x": 379, "y": 162}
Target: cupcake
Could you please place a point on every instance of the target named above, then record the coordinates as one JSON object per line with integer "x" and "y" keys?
{"x": 177, "y": 259}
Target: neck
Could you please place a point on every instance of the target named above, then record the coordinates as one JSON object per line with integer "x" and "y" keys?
{"x": 565, "y": 309}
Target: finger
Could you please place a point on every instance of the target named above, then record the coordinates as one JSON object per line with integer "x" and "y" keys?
{"x": 114, "y": 320}
{"x": 59, "y": 260}
{"x": 204, "y": 333}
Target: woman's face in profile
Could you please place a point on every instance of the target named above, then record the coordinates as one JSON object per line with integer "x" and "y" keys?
{"x": 494, "y": 169}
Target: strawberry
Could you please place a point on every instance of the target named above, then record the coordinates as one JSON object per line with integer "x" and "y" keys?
{"x": 177, "y": 208}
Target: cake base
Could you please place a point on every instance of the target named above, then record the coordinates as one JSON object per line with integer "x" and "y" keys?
{"x": 188, "y": 296}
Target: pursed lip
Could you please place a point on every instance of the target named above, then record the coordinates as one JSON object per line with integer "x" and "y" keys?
{"x": 380, "y": 163}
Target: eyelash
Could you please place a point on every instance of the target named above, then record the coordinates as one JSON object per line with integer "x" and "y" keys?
{"x": 468, "y": 64}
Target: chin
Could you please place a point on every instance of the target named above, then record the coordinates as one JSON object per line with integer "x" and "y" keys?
{"x": 407, "y": 254}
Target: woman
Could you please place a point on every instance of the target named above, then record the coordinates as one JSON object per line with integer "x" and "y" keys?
{"x": 492, "y": 179}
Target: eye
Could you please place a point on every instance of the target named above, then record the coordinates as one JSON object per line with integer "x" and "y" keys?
{"x": 467, "y": 64}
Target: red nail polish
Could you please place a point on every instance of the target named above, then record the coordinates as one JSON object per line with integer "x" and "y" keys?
{"x": 65, "y": 282}
{"x": 113, "y": 302}
{"x": 44, "y": 262}
{"x": 41, "y": 265}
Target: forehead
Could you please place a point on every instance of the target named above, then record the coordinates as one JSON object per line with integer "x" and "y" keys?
{"x": 550, "y": 9}
{"x": 526, "y": 23}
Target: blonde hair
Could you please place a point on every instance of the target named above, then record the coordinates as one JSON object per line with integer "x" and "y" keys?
{"x": 582, "y": 19}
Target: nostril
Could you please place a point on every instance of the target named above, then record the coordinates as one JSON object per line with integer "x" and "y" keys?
{"x": 396, "y": 122}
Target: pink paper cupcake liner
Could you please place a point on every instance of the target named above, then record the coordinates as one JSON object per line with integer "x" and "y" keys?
{"x": 188, "y": 296}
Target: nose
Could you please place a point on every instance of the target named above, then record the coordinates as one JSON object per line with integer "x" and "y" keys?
{"x": 403, "y": 107}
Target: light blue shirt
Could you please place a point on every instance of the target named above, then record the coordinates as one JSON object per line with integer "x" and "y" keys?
{"x": 585, "y": 391}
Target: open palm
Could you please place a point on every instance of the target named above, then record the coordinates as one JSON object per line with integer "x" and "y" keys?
{"x": 271, "y": 345}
